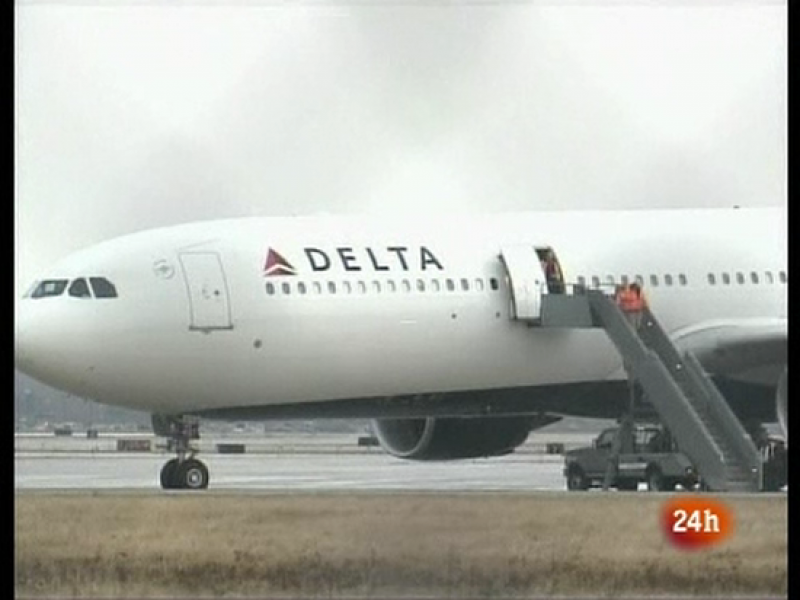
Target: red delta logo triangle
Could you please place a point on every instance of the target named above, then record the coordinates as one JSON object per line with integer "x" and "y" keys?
{"x": 277, "y": 265}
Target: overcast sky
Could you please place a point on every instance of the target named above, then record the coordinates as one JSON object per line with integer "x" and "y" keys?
{"x": 130, "y": 117}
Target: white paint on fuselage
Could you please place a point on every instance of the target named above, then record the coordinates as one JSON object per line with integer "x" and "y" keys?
{"x": 138, "y": 350}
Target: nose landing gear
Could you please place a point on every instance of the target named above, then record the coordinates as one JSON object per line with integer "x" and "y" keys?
{"x": 184, "y": 472}
{"x": 187, "y": 474}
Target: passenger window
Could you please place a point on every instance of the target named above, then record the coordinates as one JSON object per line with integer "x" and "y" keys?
{"x": 494, "y": 284}
{"x": 681, "y": 278}
{"x": 391, "y": 286}
{"x": 301, "y": 287}
{"x": 610, "y": 280}
{"x": 451, "y": 286}
{"x": 102, "y": 287}
{"x": 79, "y": 289}
{"x": 286, "y": 288}
{"x": 406, "y": 285}
{"x": 624, "y": 280}
{"x": 331, "y": 287}
{"x": 595, "y": 281}
{"x": 654, "y": 280}
{"x": 376, "y": 287}
{"x": 726, "y": 279}
{"x": 317, "y": 287}
{"x": 348, "y": 289}
{"x": 769, "y": 277}
{"x": 420, "y": 285}
{"x": 639, "y": 279}
{"x": 465, "y": 285}
{"x": 362, "y": 287}
{"x": 435, "y": 285}
{"x": 754, "y": 277}
{"x": 581, "y": 281}
{"x": 782, "y": 276}
{"x": 667, "y": 279}
{"x": 739, "y": 277}
{"x": 712, "y": 279}
{"x": 479, "y": 285}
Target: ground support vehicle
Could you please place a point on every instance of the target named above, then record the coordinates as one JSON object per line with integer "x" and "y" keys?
{"x": 648, "y": 455}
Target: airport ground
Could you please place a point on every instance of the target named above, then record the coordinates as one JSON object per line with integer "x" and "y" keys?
{"x": 358, "y": 523}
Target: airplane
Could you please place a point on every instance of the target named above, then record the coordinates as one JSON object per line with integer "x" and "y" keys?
{"x": 414, "y": 322}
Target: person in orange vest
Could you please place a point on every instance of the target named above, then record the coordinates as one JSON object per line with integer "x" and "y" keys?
{"x": 631, "y": 300}
{"x": 636, "y": 304}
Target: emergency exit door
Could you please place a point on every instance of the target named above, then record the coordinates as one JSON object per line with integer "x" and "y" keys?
{"x": 526, "y": 281}
{"x": 209, "y": 303}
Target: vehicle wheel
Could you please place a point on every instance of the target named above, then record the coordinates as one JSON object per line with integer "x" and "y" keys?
{"x": 628, "y": 485}
{"x": 191, "y": 475}
{"x": 168, "y": 474}
{"x": 655, "y": 480}
{"x": 576, "y": 480}
{"x": 670, "y": 484}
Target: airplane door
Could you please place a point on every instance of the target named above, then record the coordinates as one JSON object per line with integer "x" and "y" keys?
{"x": 209, "y": 303}
{"x": 526, "y": 280}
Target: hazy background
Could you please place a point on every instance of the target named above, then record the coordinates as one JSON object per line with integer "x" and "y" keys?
{"x": 130, "y": 117}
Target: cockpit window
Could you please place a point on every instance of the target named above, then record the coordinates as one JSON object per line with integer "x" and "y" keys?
{"x": 79, "y": 289}
{"x": 103, "y": 288}
{"x": 50, "y": 287}
{"x": 29, "y": 292}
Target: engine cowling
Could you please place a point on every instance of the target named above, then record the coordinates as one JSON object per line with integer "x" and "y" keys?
{"x": 781, "y": 404}
{"x": 451, "y": 438}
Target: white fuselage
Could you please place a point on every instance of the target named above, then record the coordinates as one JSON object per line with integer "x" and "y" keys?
{"x": 205, "y": 318}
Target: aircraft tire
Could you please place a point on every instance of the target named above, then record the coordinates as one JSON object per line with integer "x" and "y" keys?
{"x": 168, "y": 474}
{"x": 191, "y": 474}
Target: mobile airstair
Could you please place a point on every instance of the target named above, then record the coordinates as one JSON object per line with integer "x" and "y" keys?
{"x": 674, "y": 382}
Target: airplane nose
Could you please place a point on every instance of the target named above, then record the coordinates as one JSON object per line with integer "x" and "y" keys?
{"x": 30, "y": 349}
{"x": 20, "y": 354}
{"x": 38, "y": 344}
{"x": 45, "y": 345}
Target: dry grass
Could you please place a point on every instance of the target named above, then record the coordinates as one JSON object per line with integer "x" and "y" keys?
{"x": 362, "y": 545}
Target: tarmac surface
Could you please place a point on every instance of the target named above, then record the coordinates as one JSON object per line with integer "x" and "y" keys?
{"x": 282, "y": 463}
{"x": 285, "y": 464}
{"x": 293, "y": 472}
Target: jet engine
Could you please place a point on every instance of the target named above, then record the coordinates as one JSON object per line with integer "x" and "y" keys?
{"x": 781, "y": 403}
{"x": 450, "y": 438}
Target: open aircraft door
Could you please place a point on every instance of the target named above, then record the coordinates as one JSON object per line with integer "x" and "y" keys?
{"x": 209, "y": 303}
{"x": 526, "y": 280}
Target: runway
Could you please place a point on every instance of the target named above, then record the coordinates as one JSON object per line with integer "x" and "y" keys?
{"x": 293, "y": 472}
